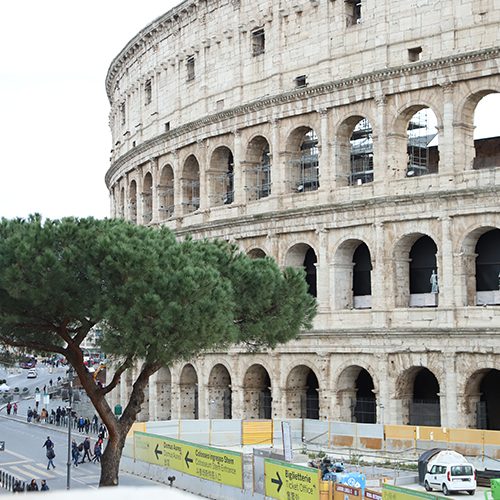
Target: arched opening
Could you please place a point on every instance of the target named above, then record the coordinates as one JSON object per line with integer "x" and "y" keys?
{"x": 256, "y": 253}
{"x": 147, "y": 198}
{"x": 361, "y": 145}
{"x": 302, "y": 393}
{"x": 189, "y": 393}
{"x": 304, "y": 160}
{"x": 424, "y": 287}
{"x": 190, "y": 183}
{"x": 219, "y": 393}
{"x": 361, "y": 277}
{"x": 487, "y": 132}
{"x": 356, "y": 396}
{"x": 132, "y": 201}
{"x": 422, "y": 143}
{"x": 163, "y": 394}
{"x": 221, "y": 177}
{"x": 166, "y": 198}
{"x": 258, "y": 169}
{"x": 302, "y": 255}
{"x": 425, "y": 407}
{"x": 257, "y": 393}
{"x": 482, "y": 399}
{"x": 488, "y": 268}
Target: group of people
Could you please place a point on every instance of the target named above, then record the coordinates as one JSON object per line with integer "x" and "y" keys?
{"x": 84, "y": 448}
{"x": 32, "y": 486}
{"x": 11, "y": 407}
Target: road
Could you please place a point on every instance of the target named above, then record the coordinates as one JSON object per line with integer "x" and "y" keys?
{"x": 24, "y": 456}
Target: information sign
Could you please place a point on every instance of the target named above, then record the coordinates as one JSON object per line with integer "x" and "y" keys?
{"x": 205, "y": 462}
{"x": 286, "y": 481}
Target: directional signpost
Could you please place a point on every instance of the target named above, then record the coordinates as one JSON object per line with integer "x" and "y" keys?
{"x": 205, "y": 462}
{"x": 290, "y": 482}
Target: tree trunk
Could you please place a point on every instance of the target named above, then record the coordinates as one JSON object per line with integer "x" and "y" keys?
{"x": 110, "y": 460}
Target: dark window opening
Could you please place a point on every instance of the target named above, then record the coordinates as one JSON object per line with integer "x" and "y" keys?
{"x": 122, "y": 113}
{"x": 312, "y": 396}
{"x": 258, "y": 42}
{"x": 414, "y": 54}
{"x": 365, "y": 409}
{"x": 361, "y": 276}
{"x": 361, "y": 143}
{"x": 167, "y": 127}
{"x": 228, "y": 197}
{"x": 308, "y": 164}
{"x": 489, "y": 404}
{"x": 422, "y": 263}
{"x": 301, "y": 81}
{"x": 488, "y": 261}
{"x": 190, "y": 68}
{"x": 425, "y": 404}
{"x": 310, "y": 268}
{"x": 148, "y": 92}
{"x": 353, "y": 12}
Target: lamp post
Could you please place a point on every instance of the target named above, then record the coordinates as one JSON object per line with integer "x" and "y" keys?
{"x": 70, "y": 394}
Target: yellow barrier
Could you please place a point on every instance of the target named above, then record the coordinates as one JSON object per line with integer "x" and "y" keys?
{"x": 399, "y": 431}
{"x": 137, "y": 427}
{"x": 257, "y": 432}
{"x": 425, "y": 433}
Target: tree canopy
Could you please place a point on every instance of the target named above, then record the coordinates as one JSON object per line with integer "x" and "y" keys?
{"x": 158, "y": 299}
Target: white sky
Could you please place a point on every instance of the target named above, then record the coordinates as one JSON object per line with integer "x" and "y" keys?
{"x": 54, "y": 137}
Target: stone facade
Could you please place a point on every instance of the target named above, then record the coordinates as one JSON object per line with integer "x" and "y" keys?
{"x": 295, "y": 130}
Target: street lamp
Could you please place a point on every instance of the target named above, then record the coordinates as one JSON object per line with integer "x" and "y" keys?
{"x": 70, "y": 395}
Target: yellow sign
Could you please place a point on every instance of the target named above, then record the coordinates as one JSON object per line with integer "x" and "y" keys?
{"x": 286, "y": 481}
{"x": 221, "y": 466}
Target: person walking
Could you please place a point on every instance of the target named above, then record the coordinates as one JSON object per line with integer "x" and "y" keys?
{"x": 9, "y": 408}
{"x": 14, "y": 406}
{"x": 75, "y": 454}
{"x": 44, "y": 486}
{"x": 29, "y": 414}
{"x": 86, "y": 450}
{"x": 51, "y": 454}
{"x": 97, "y": 452}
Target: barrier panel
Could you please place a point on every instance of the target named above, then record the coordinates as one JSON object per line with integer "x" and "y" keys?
{"x": 296, "y": 425}
{"x": 316, "y": 432}
{"x": 370, "y": 436}
{"x": 257, "y": 432}
{"x": 343, "y": 434}
{"x": 390, "y": 492}
{"x": 195, "y": 431}
{"x": 285, "y": 481}
{"x": 204, "y": 462}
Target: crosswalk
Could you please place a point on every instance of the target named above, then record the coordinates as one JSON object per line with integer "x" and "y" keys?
{"x": 27, "y": 470}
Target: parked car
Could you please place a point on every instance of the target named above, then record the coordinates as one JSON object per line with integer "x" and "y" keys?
{"x": 32, "y": 374}
{"x": 451, "y": 477}
{"x": 28, "y": 363}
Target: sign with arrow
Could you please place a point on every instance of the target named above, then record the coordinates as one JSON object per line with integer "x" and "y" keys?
{"x": 205, "y": 462}
{"x": 290, "y": 482}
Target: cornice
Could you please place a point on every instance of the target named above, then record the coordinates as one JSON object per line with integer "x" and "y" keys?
{"x": 307, "y": 92}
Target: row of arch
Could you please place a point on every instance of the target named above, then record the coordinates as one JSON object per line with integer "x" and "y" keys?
{"x": 356, "y": 146}
{"x": 417, "y": 270}
{"x": 357, "y": 389}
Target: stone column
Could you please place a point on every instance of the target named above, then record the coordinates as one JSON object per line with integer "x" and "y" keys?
{"x": 140, "y": 198}
{"x": 380, "y": 160}
{"x": 325, "y": 151}
{"x": 155, "y": 174}
{"x": 382, "y": 274}
{"x": 277, "y": 161}
{"x": 238, "y": 174}
{"x": 446, "y": 269}
{"x": 383, "y": 393}
{"x": 178, "y": 194}
{"x": 237, "y": 400}
{"x": 176, "y": 394}
{"x": 322, "y": 274}
{"x": 449, "y": 407}
{"x": 204, "y": 166}
{"x": 446, "y": 133}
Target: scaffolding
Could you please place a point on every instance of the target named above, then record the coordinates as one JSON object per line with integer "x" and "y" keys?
{"x": 191, "y": 194}
{"x": 420, "y": 136}
{"x": 306, "y": 166}
{"x": 361, "y": 154}
{"x": 260, "y": 176}
{"x": 166, "y": 201}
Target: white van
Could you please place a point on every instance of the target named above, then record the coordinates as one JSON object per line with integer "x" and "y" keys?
{"x": 448, "y": 477}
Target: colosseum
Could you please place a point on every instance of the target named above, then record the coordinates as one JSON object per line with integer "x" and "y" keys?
{"x": 339, "y": 136}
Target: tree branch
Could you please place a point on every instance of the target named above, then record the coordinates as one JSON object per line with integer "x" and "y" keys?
{"x": 116, "y": 377}
{"x": 83, "y": 331}
{"x": 34, "y": 345}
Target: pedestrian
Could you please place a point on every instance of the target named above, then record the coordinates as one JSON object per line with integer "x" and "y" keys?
{"x": 81, "y": 424}
{"x": 18, "y": 487}
{"x": 29, "y": 414}
{"x": 95, "y": 422}
{"x": 9, "y": 408}
{"x": 33, "y": 486}
{"x": 50, "y": 382}
{"x": 15, "y": 408}
{"x": 75, "y": 454}
{"x": 86, "y": 450}
{"x": 51, "y": 454}
{"x": 48, "y": 443}
{"x": 87, "y": 425}
{"x": 97, "y": 452}
{"x": 45, "y": 486}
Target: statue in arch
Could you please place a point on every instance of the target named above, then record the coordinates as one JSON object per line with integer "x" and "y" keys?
{"x": 434, "y": 282}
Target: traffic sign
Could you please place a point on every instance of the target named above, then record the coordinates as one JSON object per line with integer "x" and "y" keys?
{"x": 286, "y": 481}
{"x": 205, "y": 462}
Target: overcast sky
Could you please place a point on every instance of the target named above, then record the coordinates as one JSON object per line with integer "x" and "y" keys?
{"x": 54, "y": 136}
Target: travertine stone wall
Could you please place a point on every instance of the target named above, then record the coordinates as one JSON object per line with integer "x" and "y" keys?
{"x": 397, "y": 58}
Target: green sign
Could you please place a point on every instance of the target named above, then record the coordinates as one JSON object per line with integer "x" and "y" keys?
{"x": 205, "y": 462}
